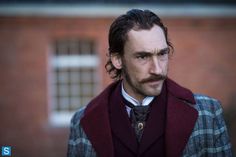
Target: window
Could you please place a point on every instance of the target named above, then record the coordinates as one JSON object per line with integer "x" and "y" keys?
{"x": 74, "y": 78}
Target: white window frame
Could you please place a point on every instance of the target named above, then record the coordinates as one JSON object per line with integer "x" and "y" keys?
{"x": 62, "y": 118}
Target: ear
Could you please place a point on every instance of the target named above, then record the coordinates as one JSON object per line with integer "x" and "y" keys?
{"x": 116, "y": 60}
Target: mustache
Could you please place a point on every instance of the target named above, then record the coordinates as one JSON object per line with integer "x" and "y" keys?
{"x": 153, "y": 78}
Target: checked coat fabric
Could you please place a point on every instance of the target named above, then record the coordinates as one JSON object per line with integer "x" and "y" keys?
{"x": 194, "y": 127}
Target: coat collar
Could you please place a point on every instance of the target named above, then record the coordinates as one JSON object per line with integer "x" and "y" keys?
{"x": 180, "y": 120}
{"x": 96, "y": 125}
{"x": 180, "y": 92}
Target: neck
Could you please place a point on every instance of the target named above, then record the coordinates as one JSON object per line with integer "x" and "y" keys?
{"x": 129, "y": 90}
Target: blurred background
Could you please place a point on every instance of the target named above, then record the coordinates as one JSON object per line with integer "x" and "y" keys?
{"x": 53, "y": 52}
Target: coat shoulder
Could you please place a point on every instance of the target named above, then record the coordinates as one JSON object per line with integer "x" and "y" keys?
{"x": 79, "y": 144}
{"x": 209, "y": 136}
{"x": 75, "y": 120}
{"x": 208, "y": 104}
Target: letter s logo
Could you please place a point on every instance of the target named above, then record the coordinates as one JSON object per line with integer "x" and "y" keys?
{"x": 6, "y": 151}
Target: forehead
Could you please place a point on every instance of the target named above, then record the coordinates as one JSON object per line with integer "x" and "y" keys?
{"x": 146, "y": 40}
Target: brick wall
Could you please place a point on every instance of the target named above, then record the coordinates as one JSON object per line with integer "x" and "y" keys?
{"x": 203, "y": 61}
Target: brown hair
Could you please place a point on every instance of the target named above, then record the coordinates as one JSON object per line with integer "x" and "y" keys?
{"x": 135, "y": 18}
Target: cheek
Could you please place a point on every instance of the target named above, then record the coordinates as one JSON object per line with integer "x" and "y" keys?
{"x": 137, "y": 72}
{"x": 141, "y": 72}
{"x": 164, "y": 66}
{"x": 132, "y": 67}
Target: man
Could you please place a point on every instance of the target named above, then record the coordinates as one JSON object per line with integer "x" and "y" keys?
{"x": 144, "y": 113}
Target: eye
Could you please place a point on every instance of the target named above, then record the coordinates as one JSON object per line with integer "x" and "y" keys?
{"x": 143, "y": 57}
{"x": 163, "y": 53}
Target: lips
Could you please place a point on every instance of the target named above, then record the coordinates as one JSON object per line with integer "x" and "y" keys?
{"x": 155, "y": 82}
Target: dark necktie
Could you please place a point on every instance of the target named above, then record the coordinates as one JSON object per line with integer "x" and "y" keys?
{"x": 138, "y": 115}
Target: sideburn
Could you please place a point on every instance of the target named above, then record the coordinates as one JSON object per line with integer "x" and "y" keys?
{"x": 126, "y": 76}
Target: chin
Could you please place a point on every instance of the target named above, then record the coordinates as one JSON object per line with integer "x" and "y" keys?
{"x": 154, "y": 92}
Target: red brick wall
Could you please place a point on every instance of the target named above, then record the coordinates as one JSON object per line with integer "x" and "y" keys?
{"x": 204, "y": 57}
{"x": 203, "y": 61}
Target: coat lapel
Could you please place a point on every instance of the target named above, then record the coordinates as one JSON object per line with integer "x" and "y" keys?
{"x": 120, "y": 123}
{"x": 96, "y": 125}
{"x": 181, "y": 118}
{"x": 155, "y": 126}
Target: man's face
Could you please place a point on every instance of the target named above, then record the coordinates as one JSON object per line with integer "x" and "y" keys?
{"x": 145, "y": 62}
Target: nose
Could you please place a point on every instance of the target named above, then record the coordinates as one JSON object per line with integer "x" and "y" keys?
{"x": 155, "y": 67}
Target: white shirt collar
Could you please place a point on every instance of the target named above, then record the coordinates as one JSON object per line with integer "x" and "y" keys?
{"x": 146, "y": 101}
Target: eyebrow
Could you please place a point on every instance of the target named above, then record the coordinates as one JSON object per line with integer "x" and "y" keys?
{"x": 151, "y": 53}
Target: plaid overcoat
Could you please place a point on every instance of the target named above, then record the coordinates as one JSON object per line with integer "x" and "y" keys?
{"x": 202, "y": 135}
